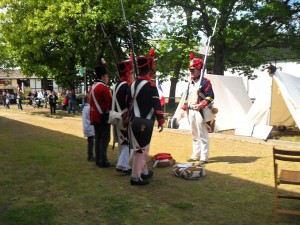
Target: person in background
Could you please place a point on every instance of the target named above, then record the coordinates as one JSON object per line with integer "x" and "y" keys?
{"x": 19, "y": 98}
{"x": 143, "y": 95}
{"x": 120, "y": 96}
{"x": 45, "y": 97}
{"x": 65, "y": 103}
{"x": 4, "y": 99}
{"x": 52, "y": 102}
{"x": 199, "y": 97}
{"x": 71, "y": 101}
{"x": 88, "y": 129}
{"x": 40, "y": 94}
{"x": 7, "y": 100}
{"x": 100, "y": 105}
{"x": 29, "y": 99}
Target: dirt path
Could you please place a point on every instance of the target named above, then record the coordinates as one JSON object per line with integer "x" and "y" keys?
{"x": 73, "y": 125}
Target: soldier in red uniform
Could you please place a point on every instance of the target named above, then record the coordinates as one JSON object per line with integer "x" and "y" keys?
{"x": 144, "y": 98}
{"x": 120, "y": 96}
{"x": 100, "y": 104}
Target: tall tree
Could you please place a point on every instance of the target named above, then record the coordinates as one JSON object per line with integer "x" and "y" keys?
{"x": 175, "y": 38}
{"x": 54, "y": 38}
{"x": 245, "y": 29}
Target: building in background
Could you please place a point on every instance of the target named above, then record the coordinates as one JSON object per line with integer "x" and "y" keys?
{"x": 10, "y": 80}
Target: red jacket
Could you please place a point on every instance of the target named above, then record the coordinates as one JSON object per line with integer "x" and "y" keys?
{"x": 103, "y": 97}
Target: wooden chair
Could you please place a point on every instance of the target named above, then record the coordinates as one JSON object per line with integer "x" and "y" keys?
{"x": 289, "y": 177}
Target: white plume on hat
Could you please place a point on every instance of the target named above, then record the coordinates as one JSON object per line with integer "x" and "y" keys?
{"x": 103, "y": 61}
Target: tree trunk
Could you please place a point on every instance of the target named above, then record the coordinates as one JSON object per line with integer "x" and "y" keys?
{"x": 172, "y": 91}
{"x": 174, "y": 81}
{"x": 219, "y": 59}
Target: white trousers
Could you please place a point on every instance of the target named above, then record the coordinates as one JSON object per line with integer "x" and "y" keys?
{"x": 123, "y": 152}
{"x": 139, "y": 160}
{"x": 200, "y": 136}
{"x": 139, "y": 164}
{"x": 124, "y": 157}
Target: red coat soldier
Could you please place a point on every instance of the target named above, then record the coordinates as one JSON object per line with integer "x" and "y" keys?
{"x": 100, "y": 104}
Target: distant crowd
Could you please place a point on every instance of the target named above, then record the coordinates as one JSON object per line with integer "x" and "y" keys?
{"x": 43, "y": 99}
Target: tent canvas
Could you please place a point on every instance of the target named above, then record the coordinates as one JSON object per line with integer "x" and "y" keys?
{"x": 231, "y": 99}
{"x": 277, "y": 104}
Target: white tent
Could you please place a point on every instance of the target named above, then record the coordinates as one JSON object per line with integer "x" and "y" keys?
{"x": 278, "y": 103}
{"x": 231, "y": 99}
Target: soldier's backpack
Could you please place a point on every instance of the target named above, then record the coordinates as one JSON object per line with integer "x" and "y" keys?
{"x": 163, "y": 160}
{"x": 189, "y": 171}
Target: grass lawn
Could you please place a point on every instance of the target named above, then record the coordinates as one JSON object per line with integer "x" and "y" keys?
{"x": 46, "y": 179}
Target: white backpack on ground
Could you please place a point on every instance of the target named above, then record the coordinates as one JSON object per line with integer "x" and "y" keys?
{"x": 189, "y": 171}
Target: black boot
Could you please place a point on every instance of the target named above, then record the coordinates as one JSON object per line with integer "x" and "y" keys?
{"x": 139, "y": 182}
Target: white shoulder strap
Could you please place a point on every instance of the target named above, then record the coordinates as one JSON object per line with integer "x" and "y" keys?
{"x": 115, "y": 100}
{"x": 135, "y": 105}
{"x": 95, "y": 101}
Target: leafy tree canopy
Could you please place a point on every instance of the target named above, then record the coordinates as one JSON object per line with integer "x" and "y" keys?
{"x": 246, "y": 32}
{"x": 54, "y": 38}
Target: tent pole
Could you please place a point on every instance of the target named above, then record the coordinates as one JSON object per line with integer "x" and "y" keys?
{"x": 270, "y": 107}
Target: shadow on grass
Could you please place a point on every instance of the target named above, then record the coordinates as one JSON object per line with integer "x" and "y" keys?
{"x": 45, "y": 179}
{"x": 59, "y": 114}
{"x": 233, "y": 159}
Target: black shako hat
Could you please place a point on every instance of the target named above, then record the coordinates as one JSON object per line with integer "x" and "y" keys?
{"x": 101, "y": 69}
{"x": 146, "y": 64}
{"x": 124, "y": 68}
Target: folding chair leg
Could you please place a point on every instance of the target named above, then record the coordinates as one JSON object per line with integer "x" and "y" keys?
{"x": 276, "y": 204}
{"x": 276, "y": 219}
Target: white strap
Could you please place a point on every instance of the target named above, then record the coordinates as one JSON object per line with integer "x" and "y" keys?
{"x": 115, "y": 100}
{"x": 95, "y": 101}
{"x": 135, "y": 105}
{"x": 150, "y": 114}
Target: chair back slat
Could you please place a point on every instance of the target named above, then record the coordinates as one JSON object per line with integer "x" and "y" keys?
{"x": 286, "y": 152}
{"x": 284, "y": 158}
{"x": 285, "y": 176}
{"x": 286, "y": 155}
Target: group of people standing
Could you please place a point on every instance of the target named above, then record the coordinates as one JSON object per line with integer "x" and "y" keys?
{"x": 6, "y": 97}
{"x": 139, "y": 97}
{"x": 129, "y": 95}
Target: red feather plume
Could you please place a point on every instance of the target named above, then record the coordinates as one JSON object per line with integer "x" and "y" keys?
{"x": 152, "y": 53}
{"x": 191, "y": 56}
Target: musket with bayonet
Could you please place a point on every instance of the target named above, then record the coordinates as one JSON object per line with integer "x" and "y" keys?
{"x": 213, "y": 110}
{"x": 205, "y": 59}
{"x": 207, "y": 52}
{"x": 131, "y": 40}
{"x": 112, "y": 48}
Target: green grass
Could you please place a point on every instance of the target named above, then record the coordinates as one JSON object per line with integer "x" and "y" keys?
{"x": 45, "y": 179}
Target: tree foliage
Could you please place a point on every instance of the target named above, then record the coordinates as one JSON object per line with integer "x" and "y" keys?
{"x": 54, "y": 38}
{"x": 246, "y": 30}
{"x": 175, "y": 38}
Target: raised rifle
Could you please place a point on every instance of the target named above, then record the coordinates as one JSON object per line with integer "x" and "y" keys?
{"x": 112, "y": 48}
{"x": 207, "y": 52}
{"x": 131, "y": 41}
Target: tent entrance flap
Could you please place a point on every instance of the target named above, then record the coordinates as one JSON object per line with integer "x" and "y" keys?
{"x": 278, "y": 103}
{"x": 280, "y": 114}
